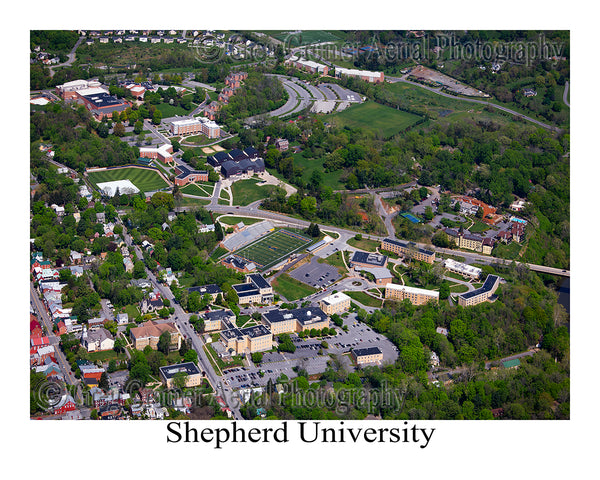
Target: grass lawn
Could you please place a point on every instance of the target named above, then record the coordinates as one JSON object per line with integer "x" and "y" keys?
{"x": 364, "y": 244}
{"x": 192, "y": 202}
{"x": 132, "y": 311}
{"x": 171, "y": 110}
{"x": 290, "y": 288}
{"x": 236, "y": 220}
{"x": 201, "y": 190}
{"x": 479, "y": 226}
{"x": 199, "y": 140}
{"x": 364, "y": 299}
{"x": 375, "y": 117}
{"x": 144, "y": 179}
{"x": 335, "y": 260}
{"x": 330, "y": 179}
{"x": 458, "y": 288}
{"x": 106, "y": 356}
{"x": 247, "y": 191}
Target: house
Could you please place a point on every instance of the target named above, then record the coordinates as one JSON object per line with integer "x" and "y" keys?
{"x": 75, "y": 257}
{"x": 442, "y": 331}
{"x": 128, "y": 263}
{"x": 76, "y": 271}
{"x": 97, "y": 340}
{"x": 529, "y": 92}
{"x": 282, "y": 144}
{"x": 122, "y": 319}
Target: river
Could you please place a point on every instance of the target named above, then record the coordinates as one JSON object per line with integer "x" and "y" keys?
{"x": 564, "y": 294}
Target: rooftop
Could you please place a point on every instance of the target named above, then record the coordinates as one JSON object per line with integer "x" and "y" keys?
{"x": 360, "y": 352}
{"x": 170, "y": 371}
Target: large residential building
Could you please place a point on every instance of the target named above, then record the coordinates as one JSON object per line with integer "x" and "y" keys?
{"x": 371, "y": 77}
{"x": 296, "y": 320}
{"x": 416, "y": 296}
{"x": 462, "y": 268}
{"x": 364, "y": 356}
{"x": 308, "y": 65}
{"x": 480, "y": 295}
{"x": 149, "y": 333}
{"x": 189, "y": 369}
{"x": 408, "y": 249}
{"x": 470, "y": 241}
{"x": 337, "y": 303}
{"x": 240, "y": 341}
{"x": 255, "y": 290}
{"x": 162, "y": 153}
{"x": 193, "y": 126}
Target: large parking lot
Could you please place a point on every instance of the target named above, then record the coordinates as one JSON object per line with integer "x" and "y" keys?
{"x": 316, "y": 274}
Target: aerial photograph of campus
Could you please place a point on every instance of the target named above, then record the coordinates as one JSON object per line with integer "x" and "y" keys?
{"x": 299, "y": 224}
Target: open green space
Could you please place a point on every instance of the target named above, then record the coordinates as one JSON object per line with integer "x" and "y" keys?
{"x": 309, "y": 165}
{"x": 364, "y": 244}
{"x": 200, "y": 190}
{"x": 479, "y": 226}
{"x": 235, "y": 220}
{"x": 273, "y": 248}
{"x": 248, "y": 191}
{"x": 193, "y": 202}
{"x": 376, "y": 117}
{"x": 144, "y": 179}
{"x": 459, "y": 288}
{"x": 106, "y": 356}
{"x": 219, "y": 252}
{"x": 364, "y": 298}
{"x": 290, "y": 288}
{"x": 171, "y": 110}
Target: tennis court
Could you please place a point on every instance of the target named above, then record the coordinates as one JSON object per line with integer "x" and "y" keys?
{"x": 411, "y": 217}
{"x": 273, "y": 248}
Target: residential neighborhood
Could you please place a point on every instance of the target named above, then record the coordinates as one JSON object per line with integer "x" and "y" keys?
{"x": 205, "y": 243}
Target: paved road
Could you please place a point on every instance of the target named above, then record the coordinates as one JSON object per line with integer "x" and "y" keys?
{"x": 566, "y": 94}
{"x": 71, "y": 57}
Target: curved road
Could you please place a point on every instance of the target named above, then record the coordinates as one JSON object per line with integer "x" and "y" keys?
{"x": 71, "y": 57}
{"x": 565, "y": 94}
{"x": 473, "y": 100}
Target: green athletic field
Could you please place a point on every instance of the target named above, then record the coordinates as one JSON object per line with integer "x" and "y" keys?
{"x": 273, "y": 248}
{"x": 144, "y": 179}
